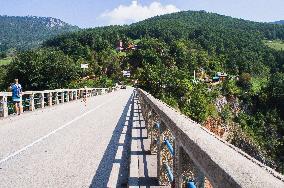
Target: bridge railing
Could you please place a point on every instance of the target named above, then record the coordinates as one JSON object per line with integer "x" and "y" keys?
{"x": 190, "y": 156}
{"x": 32, "y": 100}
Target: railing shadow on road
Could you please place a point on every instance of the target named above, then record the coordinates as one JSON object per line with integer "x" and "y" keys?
{"x": 103, "y": 173}
{"x": 146, "y": 180}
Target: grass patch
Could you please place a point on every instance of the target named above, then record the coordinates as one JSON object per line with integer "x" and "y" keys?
{"x": 5, "y": 61}
{"x": 275, "y": 44}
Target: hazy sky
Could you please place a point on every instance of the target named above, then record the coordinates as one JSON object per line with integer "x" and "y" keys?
{"x": 91, "y": 13}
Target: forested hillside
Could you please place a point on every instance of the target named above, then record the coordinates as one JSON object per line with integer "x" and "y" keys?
{"x": 246, "y": 108}
{"x": 28, "y": 32}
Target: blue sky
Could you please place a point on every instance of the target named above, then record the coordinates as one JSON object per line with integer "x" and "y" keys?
{"x": 91, "y": 13}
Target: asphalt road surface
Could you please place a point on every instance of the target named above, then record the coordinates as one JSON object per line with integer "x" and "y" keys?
{"x": 69, "y": 145}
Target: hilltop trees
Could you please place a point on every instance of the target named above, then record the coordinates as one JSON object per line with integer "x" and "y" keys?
{"x": 43, "y": 69}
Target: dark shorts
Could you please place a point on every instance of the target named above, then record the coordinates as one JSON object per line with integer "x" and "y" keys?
{"x": 16, "y": 100}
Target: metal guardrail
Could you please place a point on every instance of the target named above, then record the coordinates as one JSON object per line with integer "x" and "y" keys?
{"x": 32, "y": 100}
{"x": 190, "y": 156}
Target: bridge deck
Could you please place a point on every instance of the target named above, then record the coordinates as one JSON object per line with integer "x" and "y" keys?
{"x": 69, "y": 145}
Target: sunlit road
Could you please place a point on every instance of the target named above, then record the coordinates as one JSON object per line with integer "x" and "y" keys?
{"x": 69, "y": 145}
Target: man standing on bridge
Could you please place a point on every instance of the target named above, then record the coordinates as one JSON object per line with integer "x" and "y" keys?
{"x": 17, "y": 96}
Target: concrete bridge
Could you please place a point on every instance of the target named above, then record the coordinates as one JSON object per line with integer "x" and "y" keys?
{"x": 119, "y": 138}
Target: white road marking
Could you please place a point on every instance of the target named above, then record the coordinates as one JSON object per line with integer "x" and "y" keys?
{"x": 51, "y": 133}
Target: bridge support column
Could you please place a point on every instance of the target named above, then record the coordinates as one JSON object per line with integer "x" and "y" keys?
{"x": 4, "y": 101}
{"x": 49, "y": 97}
{"x": 42, "y": 100}
{"x": 32, "y": 103}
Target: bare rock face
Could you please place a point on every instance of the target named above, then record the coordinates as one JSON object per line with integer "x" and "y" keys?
{"x": 232, "y": 132}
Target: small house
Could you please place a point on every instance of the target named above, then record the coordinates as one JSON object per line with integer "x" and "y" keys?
{"x": 222, "y": 76}
{"x": 119, "y": 46}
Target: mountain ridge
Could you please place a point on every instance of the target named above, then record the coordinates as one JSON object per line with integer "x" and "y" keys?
{"x": 279, "y": 22}
{"x": 26, "y": 32}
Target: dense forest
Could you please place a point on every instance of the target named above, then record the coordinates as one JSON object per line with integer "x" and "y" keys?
{"x": 28, "y": 32}
{"x": 162, "y": 53}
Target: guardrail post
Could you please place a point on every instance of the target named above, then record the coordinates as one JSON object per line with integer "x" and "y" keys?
{"x": 75, "y": 94}
{"x": 4, "y": 101}
{"x": 80, "y": 93}
{"x": 86, "y": 93}
{"x": 68, "y": 96}
{"x": 177, "y": 166}
{"x": 42, "y": 100}
{"x": 71, "y": 95}
{"x": 62, "y": 97}
{"x": 56, "y": 98}
{"x": 49, "y": 97}
{"x": 21, "y": 106}
{"x": 159, "y": 150}
{"x": 32, "y": 102}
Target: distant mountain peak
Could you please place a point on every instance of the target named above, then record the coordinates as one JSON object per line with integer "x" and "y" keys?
{"x": 279, "y": 22}
{"x": 52, "y": 22}
{"x": 25, "y": 32}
